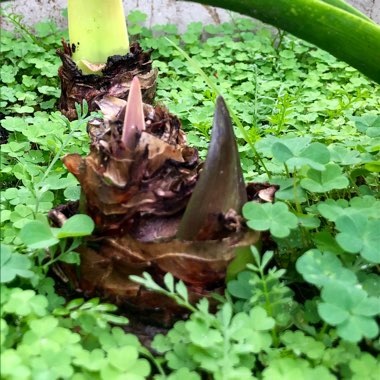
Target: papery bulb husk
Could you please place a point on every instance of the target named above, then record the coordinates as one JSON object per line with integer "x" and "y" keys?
{"x": 121, "y": 186}
{"x": 115, "y": 80}
{"x": 108, "y": 261}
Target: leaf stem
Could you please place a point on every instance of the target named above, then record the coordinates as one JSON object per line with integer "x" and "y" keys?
{"x": 322, "y": 331}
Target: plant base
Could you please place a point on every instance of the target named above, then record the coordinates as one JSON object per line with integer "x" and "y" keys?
{"x": 108, "y": 261}
{"x": 115, "y": 80}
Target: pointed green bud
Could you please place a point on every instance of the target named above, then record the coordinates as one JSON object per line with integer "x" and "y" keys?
{"x": 220, "y": 187}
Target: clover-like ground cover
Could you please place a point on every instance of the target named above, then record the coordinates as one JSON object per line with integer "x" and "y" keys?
{"x": 307, "y": 309}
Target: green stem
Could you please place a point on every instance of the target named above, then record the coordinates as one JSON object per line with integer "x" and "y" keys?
{"x": 322, "y": 331}
{"x": 98, "y": 30}
{"x": 145, "y": 352}
{"x": 337, "y": 30}
{"x": 268, "y": 305}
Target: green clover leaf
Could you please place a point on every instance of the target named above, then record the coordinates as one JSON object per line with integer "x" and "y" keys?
{"x": 26, "y": 302}
{"x": 331, "y": 209}
{"x": 76, "y": 226}
{"x": 351, "y": 310}
{"x": 300, "y": 344}
{"x": 37, "y": 235}
{"x": 322, "y": 181}
{"x": 202, "y": 335}
{"x": 325, "y": 241}
{"x": 365, "y": 367}
{"x": 343, "y": 155}
{"x": 315, "y": 155}
{"x": 359, "y": 235}
{"x": 13, "y": 365}
{"x": 295, "y": 369}
{"x": 125, "y": 361}
{"x": 122, "y": 358}
{"x": 290, "y": 190}
{"x": 322, "y": 268}
{"x": 267, "y": 216}
{"x": 13, "y": 264}
{"x": 370, "y": 124}
{"x": 252, "y": 329}
{"x": 91, "y": 360}
{"x": 367, "y": 205}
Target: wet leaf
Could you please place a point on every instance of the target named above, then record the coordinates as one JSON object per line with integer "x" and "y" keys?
{"x": 322, "y": 268}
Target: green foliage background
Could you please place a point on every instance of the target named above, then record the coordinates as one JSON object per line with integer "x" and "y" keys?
{"x": 308, "y": 309}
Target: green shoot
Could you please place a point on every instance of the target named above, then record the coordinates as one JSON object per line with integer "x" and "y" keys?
{"x": 98, "y": 30}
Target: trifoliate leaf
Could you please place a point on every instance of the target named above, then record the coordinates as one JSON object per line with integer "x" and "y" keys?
{"x": 91, "y": 360}
{"x": 25, "y": 302}
{"x": 365, "y": 367}
{"x": 343, "y": 155}
{"x": 267, "y": 216}
{"x": 13, "y": 264}
{"x": 315, "y": 155}
{"x": 359, "y": 235}
{"x": 202, "y": 334}
{"x": 366, "y": 205}
{"x": 295, "y": 369}
{"x": 241, "y": 287}
{"x": 123, "y": 358}
{"x": 260, "y": 319}
{"x": 331, "y": 209}
{"x": 43, "y": 325}
{"x": 325, "y": 241}
{"x": 12, "y": 365}
{"x": 37, "y": 235}
{"x": 322, "y": 268}
{"x": 290, "y": 190}
{"x": 369, "y": 124}
{"x": 323, "y": 181}
{"x": 252, "y": 329}
{"x": 351, "y": 310}
{"x": 300, "y": 344}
